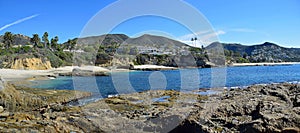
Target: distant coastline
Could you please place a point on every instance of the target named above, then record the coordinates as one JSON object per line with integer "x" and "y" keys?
{"x": 21, "y": 75}
{"x": 263, "y": 64}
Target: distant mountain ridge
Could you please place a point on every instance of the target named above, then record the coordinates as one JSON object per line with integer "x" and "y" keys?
{"x": 144, "y": 40}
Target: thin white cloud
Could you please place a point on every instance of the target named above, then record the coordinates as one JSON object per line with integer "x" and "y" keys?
{"x": 213, "y": 35}
{"x": 204, "y": 37}
{"x": 18, "y": 21}
{"x": 247, "y": 30}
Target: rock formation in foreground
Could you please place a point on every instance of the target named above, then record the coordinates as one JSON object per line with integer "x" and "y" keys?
{"x": 259, "y": 108}
{"x": 38, "y": 110}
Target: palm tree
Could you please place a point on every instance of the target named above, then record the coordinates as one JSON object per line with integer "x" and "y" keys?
{"x": 192, "y": 41}
{"x": 54, "y": 43}
{"x": 8, "y": 39}
{"x": 45, "y": 39}
{"x": 35, "y": 40}
{"x": 73, "y": 44}
{"x": 70, "y": 45}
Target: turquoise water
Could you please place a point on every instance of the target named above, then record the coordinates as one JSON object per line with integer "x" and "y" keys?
{"x": 183, "y": 79}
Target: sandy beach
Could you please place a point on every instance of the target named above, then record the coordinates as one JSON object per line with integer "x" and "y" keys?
{"x": 19, "y": 75}
{"x": 152, "y": 67}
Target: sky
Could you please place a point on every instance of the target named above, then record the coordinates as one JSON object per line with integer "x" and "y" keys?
{"x": 232, "y": 21}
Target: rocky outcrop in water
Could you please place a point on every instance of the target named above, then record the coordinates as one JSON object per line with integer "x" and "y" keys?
{"x": 79, "y": 72}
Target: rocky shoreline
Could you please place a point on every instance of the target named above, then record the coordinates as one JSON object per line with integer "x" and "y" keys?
{"x": 258, "y": 108}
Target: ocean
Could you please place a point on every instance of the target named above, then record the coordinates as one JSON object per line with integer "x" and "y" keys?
{"x": 181, "y": 80}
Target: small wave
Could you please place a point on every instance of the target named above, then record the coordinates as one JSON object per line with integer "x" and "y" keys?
{"x": 294, "y": 82}
{"x": 112, "y": 95}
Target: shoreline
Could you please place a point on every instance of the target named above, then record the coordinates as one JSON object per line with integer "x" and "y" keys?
{"x": 16, "y": 75}
{"x": 262, "y": 64}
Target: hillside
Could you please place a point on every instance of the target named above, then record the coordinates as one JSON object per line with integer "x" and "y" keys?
{"x": 121, "y": 50}
{"x": 156, "y": 41}
{"x": 106, "y": 39}
{"x": 266, "y": 52}
{"x": 19, "y": 39}
{"x": 143, "y": 40}
{"x": 142, "y": 44}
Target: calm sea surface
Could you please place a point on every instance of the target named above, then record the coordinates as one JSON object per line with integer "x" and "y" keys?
{"x": 183, "y": 79}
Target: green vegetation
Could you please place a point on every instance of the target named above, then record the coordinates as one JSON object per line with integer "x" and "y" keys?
{"x": 35, "y": 48}
{"x": 236, "y": 57}
{"x": 242, "y": 60}
{"x": 36, "y": 40}
{"x": 103, "y": 50}
{"x": 45, "y": 39}
{"x": 8, "y": 39}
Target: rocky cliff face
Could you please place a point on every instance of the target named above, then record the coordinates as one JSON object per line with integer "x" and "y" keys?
{"x": 30, "y": 64}
{"x": 266, "y": 52}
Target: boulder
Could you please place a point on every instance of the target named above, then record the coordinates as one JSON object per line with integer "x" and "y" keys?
{"x": 79, "y": 72}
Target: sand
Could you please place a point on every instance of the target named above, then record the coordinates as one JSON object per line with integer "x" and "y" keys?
{"x": 152, "y": 67}
{"x": 18, "y": 75}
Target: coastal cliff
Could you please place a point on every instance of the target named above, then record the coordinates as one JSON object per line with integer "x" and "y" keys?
{"x": 30, "y": 64}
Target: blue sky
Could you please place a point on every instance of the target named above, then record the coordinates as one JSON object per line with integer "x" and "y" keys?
{"x": 246, "y": 22}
